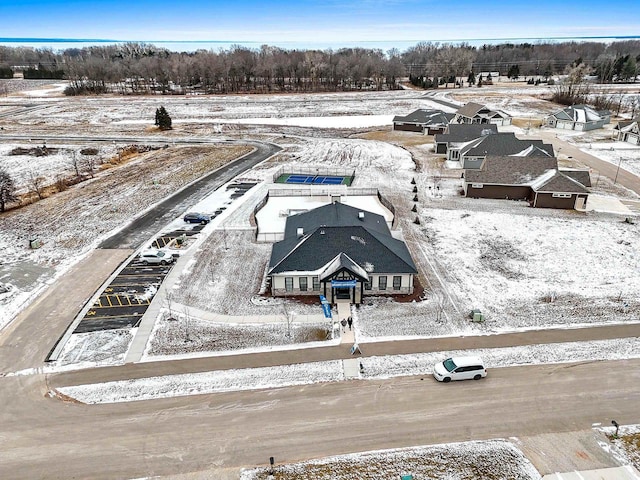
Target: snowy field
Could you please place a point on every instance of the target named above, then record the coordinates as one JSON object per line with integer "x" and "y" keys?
{"x": 496, "y": 256}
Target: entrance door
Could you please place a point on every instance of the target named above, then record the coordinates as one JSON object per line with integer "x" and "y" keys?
{"x": 343, "y": 293}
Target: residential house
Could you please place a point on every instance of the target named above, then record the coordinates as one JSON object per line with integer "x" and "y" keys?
{"x": 578, "y": 117}
{"x": 428, "y": 121}
{"x": 458, "y": 135}
{"x": 476, "y": 113}
{"x": 534, "y": 179}
{"x": 471, "y": 154}
{"x": 340, "y": 252}
{"x": 629, "y": 131}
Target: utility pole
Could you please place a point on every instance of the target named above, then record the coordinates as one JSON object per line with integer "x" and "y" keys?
{"x": 617, "y": 170}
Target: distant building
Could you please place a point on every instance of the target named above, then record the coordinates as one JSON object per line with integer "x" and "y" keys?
{"x": 340, "y": 252}
{"x": 578, "y": 117}
{"x": 427, "y": 121}
{"x": 476, "y": 113}
{"x": 458, "y": 135}
{"x": 628, "y": 131}
{"x": 534, "y": 179}
{"x": 472, "y": 154}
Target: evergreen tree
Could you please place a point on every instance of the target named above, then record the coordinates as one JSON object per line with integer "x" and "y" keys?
{"x": 163, "y": 120}
{"x": 7, "y": 190}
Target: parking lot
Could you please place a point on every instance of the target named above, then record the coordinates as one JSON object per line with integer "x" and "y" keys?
{"x": 124, "y": 301}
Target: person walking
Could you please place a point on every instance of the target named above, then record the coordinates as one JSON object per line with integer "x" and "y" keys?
{"x": 343, "y": 322}
{"x": 350, "y": 322}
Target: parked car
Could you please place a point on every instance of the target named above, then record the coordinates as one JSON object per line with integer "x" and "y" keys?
{"x": 459, "y": 368}
{"x": 156, "y": 257}
{"x": 193, "y": 217}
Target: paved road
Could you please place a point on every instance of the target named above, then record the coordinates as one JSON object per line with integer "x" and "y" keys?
{"x": 145, "y": 226}
{"x": 34, "y": 332}
{"x": 606, "y": 169}
{"x": 305, "y": 355}
{"x": 46, "y": 438}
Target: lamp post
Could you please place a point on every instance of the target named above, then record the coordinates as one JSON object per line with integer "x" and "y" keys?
{"x": 617, "y": 171}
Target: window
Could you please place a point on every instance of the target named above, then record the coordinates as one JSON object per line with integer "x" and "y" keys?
{"x": 303, "y": 284}
{"x": 367, "y": 284}
{"x": 316, "y": 284}
{"x": 561, "y": 195}
{"x": 382, "y": 282}
{"x": 477, "y": 185}
{"x": 288, "y": 284}
{"x": 397, "y": 282}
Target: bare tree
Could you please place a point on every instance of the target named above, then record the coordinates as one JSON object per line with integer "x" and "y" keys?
{"x": 36, "y": 183}
{"x": 575, "y": 88}
{"x": 90, "y": 164}
{"x": 75, "y": 163}
{"x": 7, "y": 190}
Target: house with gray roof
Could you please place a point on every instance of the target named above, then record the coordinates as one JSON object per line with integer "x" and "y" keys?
{"x": 577, "y": 117}
{"x": 458, "y": 135}
{"x": 473, "y": 153}
{"x": 628, "y": 131}
{"x": 427, "y": 121}
{"x": 340, "y": 252}
{"x": 535, "y": 179}
{"x": 475, "y": 113}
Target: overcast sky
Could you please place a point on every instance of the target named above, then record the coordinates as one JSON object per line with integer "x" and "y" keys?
{"x": 321, "y": 21}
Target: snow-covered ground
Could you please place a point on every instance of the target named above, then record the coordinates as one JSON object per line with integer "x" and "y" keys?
{"x": 490, "y": 460}
{"x": 523, "y": 268}
{"x": 333, "y": 371}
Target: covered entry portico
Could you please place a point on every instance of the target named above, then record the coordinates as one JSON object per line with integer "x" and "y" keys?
{"x": 345, "y": 284}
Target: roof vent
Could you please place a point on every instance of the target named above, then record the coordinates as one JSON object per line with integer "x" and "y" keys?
{"x": 300, "y": 232}
{"x": 486, "y": 131}
{"x": 361, "y": 215}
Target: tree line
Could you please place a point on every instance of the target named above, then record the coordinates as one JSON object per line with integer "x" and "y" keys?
{"x": 139, "y": 68}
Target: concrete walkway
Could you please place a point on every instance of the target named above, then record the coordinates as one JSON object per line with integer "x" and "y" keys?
{"x": 338, "y": 352}
{"x": 344, "y": 312}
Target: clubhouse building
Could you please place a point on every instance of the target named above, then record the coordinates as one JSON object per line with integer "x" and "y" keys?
{"x": 340, "y": 252}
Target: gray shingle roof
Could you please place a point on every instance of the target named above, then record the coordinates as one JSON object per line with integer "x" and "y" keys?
{"x": 501, "y": 144}
{"x": 333, "y": 215}
{"x": 465, "y": 132}
{"x": 580, "y": 113}
{"x": 471, "y": 109}
{"x": 505, "y": 170}
{"x": 560, "y": 183}
{"x": 370, "y": 245}
{"x": 624, "y": 124}
{"x": 424, "y": 116}
{"x": 581, "y": 176}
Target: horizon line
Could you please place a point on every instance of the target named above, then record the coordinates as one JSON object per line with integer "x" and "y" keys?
{"x": 459, "y": 40}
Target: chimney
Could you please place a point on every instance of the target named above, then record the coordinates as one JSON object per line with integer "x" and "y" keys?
{"x": 300, "y": 232}
{"x": 361, "y": 215}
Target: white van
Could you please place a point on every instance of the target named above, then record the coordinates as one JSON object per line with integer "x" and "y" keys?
{"x": 459, "y": 368}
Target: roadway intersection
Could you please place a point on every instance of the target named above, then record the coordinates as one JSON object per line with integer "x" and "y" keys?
{"x": 217, "y": 434}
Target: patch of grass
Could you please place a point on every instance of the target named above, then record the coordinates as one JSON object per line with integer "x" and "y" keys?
{"x": 491, "y": 460}
{"x": 630, "y": 444}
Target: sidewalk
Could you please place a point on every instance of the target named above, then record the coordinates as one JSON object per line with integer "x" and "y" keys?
{"x": 338, "y": 352}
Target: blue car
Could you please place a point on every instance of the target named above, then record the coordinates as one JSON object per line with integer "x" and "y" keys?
{"x": 194, "y": 217}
